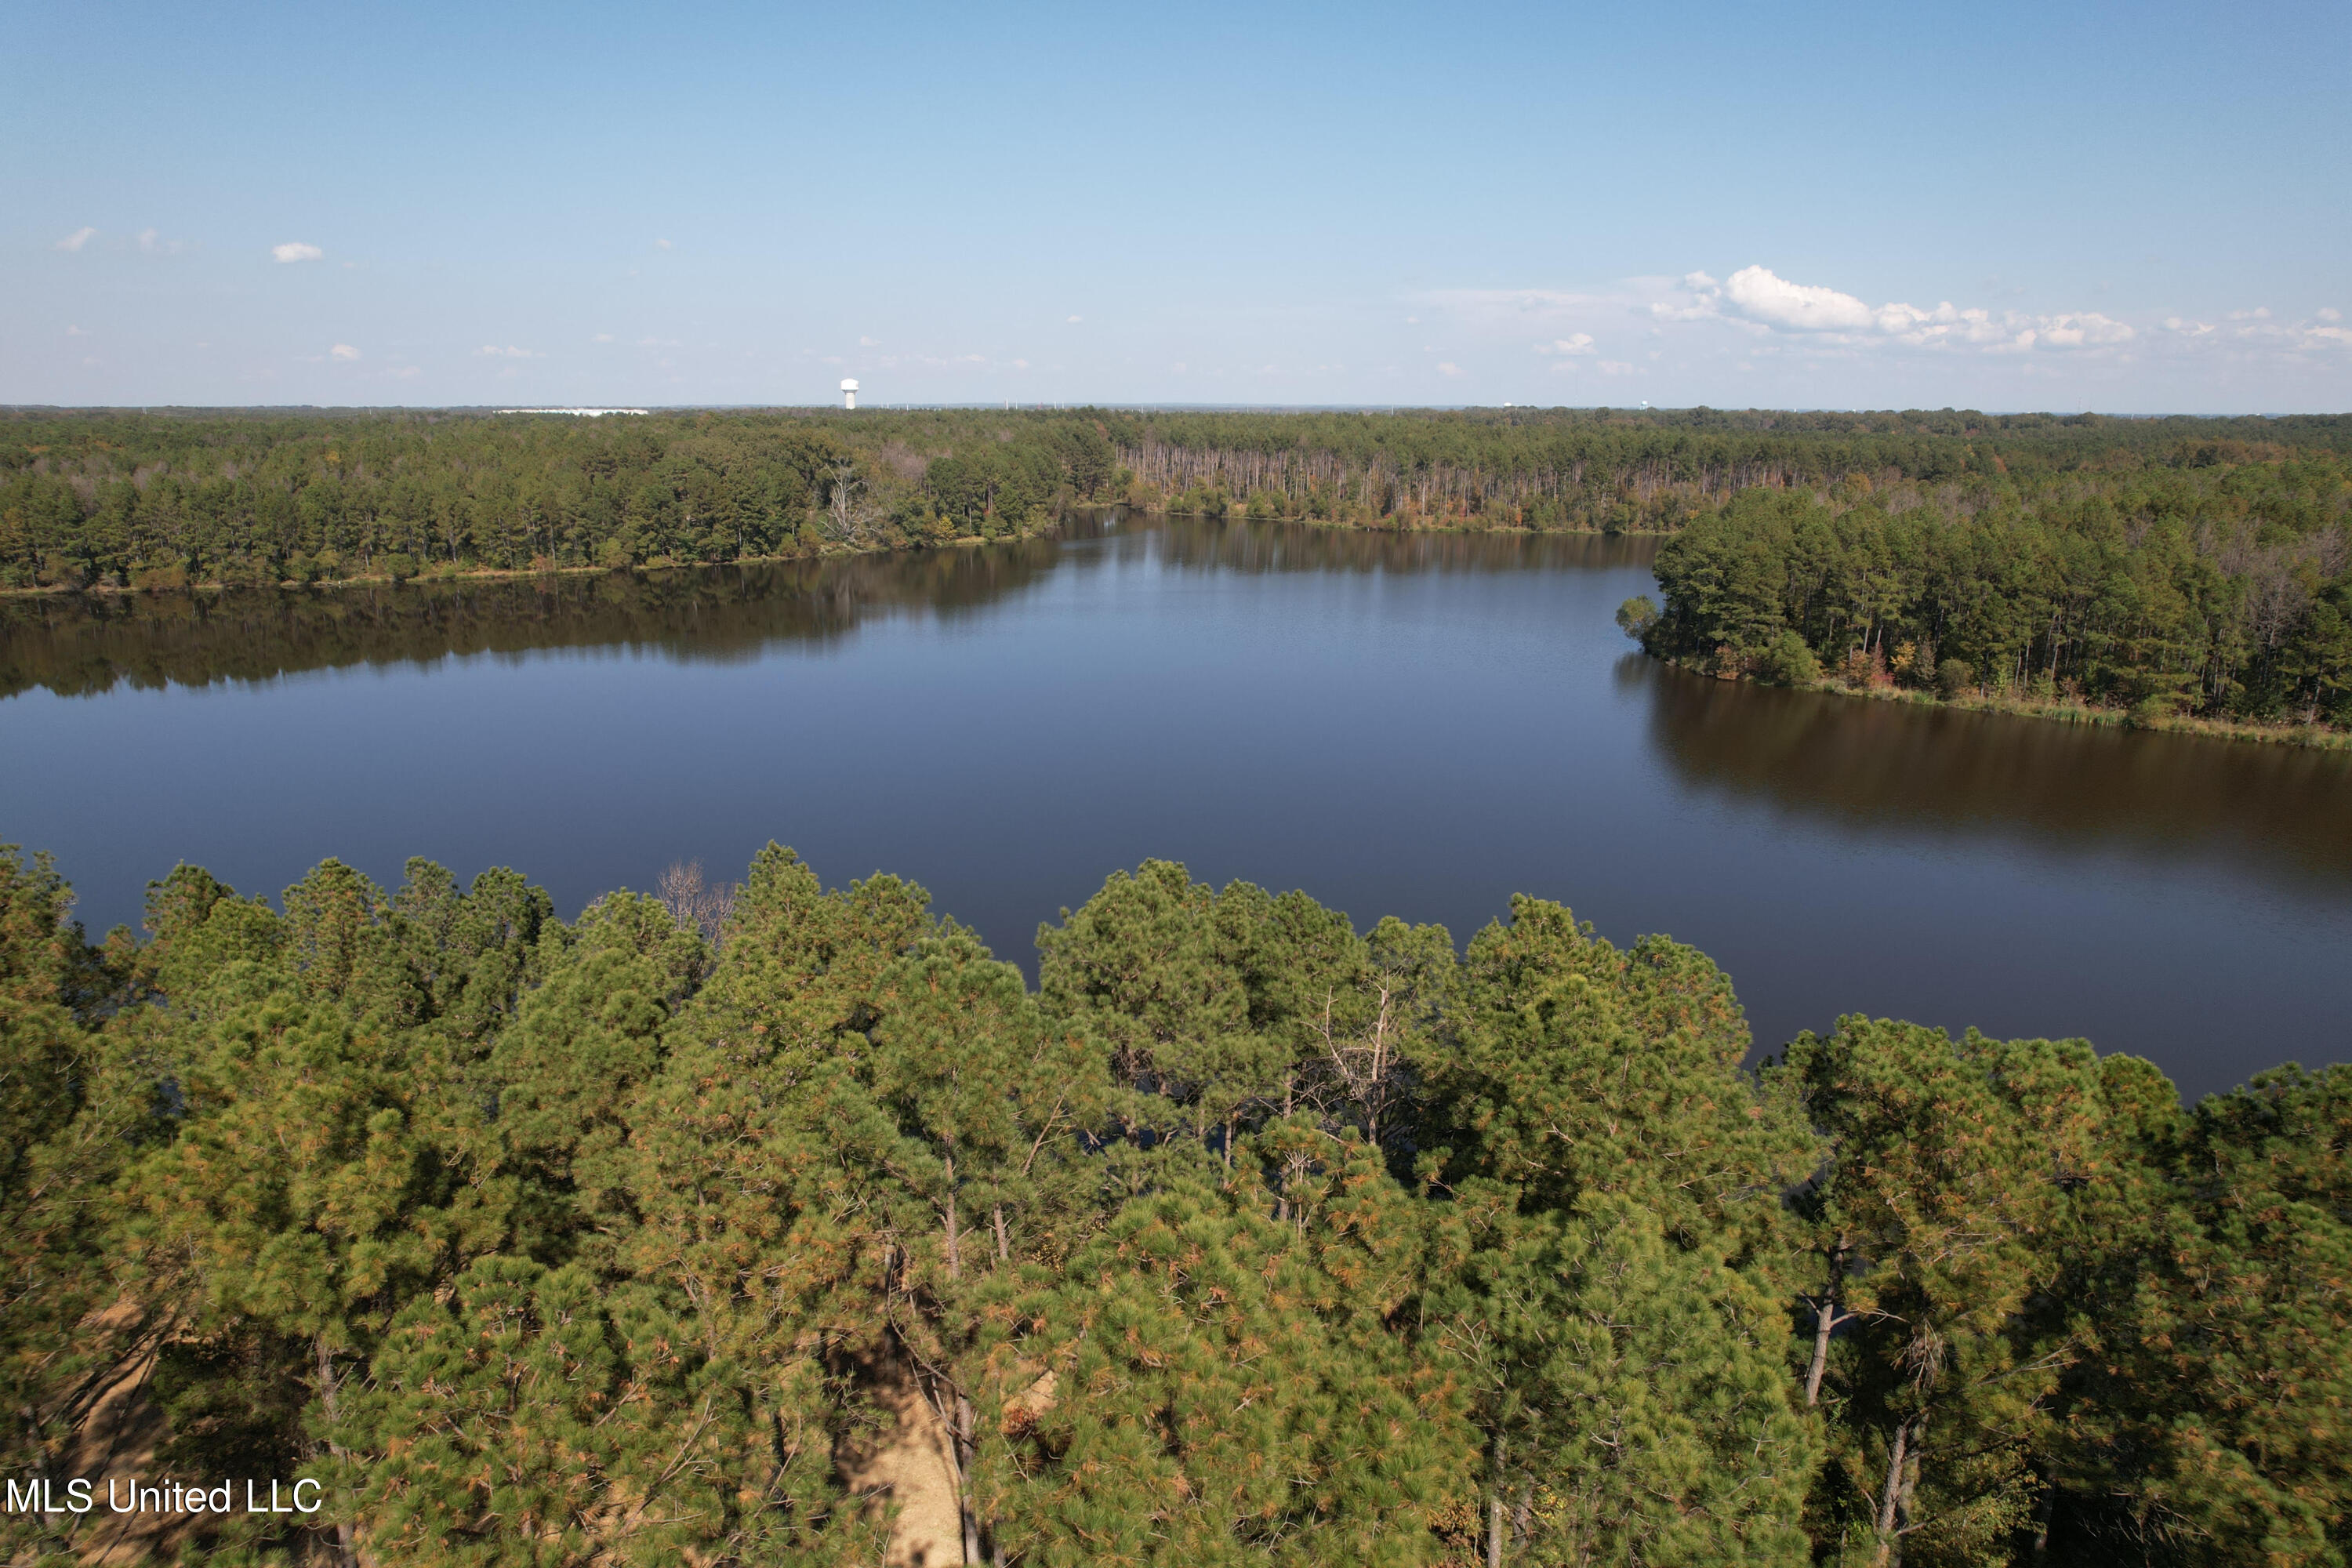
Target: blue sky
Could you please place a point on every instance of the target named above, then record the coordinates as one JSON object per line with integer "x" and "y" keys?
{"x": 2133, "y": 208}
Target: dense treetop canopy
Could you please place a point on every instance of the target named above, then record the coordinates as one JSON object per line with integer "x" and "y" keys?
{"x": 1247, "y": 1235}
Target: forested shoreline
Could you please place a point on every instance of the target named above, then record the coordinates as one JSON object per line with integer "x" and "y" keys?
{"x": 2180, "y": 570}
{"x": 124, "y": 498}
{"x": 1247, "y": 1235}
{"x": 2222, "y": 592}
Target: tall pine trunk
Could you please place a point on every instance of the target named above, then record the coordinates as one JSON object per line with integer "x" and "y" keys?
{"x": 345, "y": 1554}
{"x": 1890, "y": 1497}
{"x": 1824, "y": 1321}
{"x": 1495, "y": 1509}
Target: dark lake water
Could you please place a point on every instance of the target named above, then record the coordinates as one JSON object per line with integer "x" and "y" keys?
{"x": 1408, "y": 726}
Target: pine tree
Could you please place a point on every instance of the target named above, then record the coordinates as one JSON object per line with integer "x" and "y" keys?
{"x": 1616, "y": 1183}
{"x": 2207, "y": 1419}
{"x": 759, "y": 1219}
{"x": 313, "y": 1184}
{"x": 1946, "y": 1215}
{"x": 1214, "y": 1384}
{"x": 525, "y": 1420}
{"x": 71, "y": 1110}
{"x": 565, "y": 1072}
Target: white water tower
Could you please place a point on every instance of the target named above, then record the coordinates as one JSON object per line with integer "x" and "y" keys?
{"x": 850, "y": 394}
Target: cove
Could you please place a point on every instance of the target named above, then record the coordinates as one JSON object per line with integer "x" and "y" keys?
{"x": 1416, "y": 725}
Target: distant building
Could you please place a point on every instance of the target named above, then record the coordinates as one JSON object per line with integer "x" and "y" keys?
{"x": 850, "y": 394}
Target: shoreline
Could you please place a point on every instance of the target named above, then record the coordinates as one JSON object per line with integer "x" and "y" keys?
{"x": 1520, "y": 529}
{"x": 2307, "y": 737}
{"x": 962, "y": 541}
{"x": 499, "y": 574}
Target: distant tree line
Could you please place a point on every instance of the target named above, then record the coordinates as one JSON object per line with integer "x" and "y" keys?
{"x": 1654, "y": 471}
{"x": 164, "y": 499}
{"x": 1247, "y": 1235}
{"x": 145, "y": 501}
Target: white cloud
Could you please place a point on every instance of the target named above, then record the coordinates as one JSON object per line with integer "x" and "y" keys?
{"x": 661, "y": 245}
{"x": 1760, "y": 295}
{"x": 296, "y": 250}
{"x": 405, "y": 372}
{"x": 344, "y": 351}
{"x": 2086, "y": 329}
{"x": 1760, "y": 300}
{"x": 75, "y": 332}
{"x": 1575, "y": 343}
{"x": 1074, "y": 321}
{"x": 2330, "y": 313}
{"x": 77, "y": 239}
{"x": 1615, "y": 368}
{"x": 602, "y": 338}
{"x": 509, "y": 351}
{"x": 1447, "y": 367}
{"x": 866, "y": 343}
{"x": 152, "y": 242}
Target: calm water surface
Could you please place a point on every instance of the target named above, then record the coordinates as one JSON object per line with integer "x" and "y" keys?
{"x": 1417, "y": 727}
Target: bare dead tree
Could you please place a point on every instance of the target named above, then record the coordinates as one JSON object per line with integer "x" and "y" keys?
{"x": 850, "y": 512}
{"x": 696, "y": 903}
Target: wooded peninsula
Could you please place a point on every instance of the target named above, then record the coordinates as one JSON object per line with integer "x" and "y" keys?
{"x": 2171, "y": 571}
{"x": 1246, "y": 1236}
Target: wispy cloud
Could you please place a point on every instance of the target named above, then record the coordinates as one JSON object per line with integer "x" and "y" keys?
{"x": 77, "y": 239}
{"x": 1574, "y": 344}
{"x": 509, "y": 351}
{"x": 296, "y": 250}
{"x": 1761, "y": 300}
{"x": 344, "y": 351}
{"x": 2256, "y": 329}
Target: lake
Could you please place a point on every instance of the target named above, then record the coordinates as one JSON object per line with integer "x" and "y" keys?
{"x": 1416, "y": 726}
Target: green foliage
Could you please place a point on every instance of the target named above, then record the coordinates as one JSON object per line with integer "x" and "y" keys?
{"x": 1221, "y": 1383}
{"x": 1964, "y": 1184}
{"x": 2173, "y": 585}
{"x": 1616, "y": 1216}
{"x": 1248, "y": 1235}
{"x": 590, "y": 1433}
{"x": 2207, "y": 1414}
{"x": 1787, "y": 661}
{"x": 72, "y": 1110}
{"x": 1637, "y": 616}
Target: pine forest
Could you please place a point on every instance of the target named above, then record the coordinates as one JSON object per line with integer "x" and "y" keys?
{"x": 680, "y": 1233}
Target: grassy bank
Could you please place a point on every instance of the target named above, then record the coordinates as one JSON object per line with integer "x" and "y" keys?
{"x": 2061, "y": 709}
